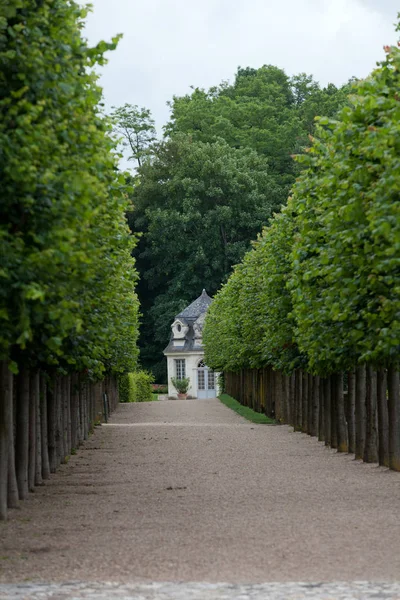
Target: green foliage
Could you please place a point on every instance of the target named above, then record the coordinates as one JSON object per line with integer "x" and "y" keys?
{"x": 278, "y": 341}
{"x": 142, "y": 388}
{"x": 135, "y": 130}
{"x": 136, "y": 387}
{"x": 198, "y": 205}
{"x": 67, "y": 280}
{"x": 221, "y": 383}
{"x": 320, "y": 288}
{"x": 264, "y": 110}
{"x": 249, "y": 323}
{"x": 312, "y": 101}
{"x": 345, "y": 282}
{"x": 222, "y": 327}
{"x": 208, "y": 190}
{"x": 125, "y": 387}
{"x": 245, "y": 411}
{"x": 181, "y": 385}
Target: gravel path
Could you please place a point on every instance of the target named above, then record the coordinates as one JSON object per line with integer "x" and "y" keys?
{"x": 182, "y": 491}
{"x": 202, "y": 591}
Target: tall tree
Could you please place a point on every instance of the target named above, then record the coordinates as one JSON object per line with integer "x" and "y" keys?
{"x": 198, "y": 205}
{"x": 136, "y": 129}
{"x": 67, "y": 279}
{"x": 262, "y": 109}
{"x": 196, "y": 183}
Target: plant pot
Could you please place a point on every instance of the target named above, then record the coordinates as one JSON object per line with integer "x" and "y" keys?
{"x": 182, "y": 396}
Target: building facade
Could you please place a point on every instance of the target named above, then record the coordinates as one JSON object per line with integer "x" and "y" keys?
{"x": 185, "y": 352}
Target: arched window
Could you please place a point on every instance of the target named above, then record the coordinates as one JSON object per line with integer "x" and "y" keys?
{"x": 201, "y": 364}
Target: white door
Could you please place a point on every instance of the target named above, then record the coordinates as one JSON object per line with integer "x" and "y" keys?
{"x": 206, "y": 382}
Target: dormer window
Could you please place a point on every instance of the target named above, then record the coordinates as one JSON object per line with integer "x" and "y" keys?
{"x": 179, "y": 330}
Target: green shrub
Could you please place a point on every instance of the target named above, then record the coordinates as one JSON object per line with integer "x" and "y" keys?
{"x": 136, "y": 387}
{"x": 123, "y": 388}
{"x": 221, "y": 383}
{"x": 181, "y": 385}
{"x": 142, "y": 388}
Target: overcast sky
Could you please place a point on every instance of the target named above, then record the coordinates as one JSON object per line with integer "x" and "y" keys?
{"x": 169, "y": 45}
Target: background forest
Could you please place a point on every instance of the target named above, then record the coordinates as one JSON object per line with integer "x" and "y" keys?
{"x": 202, "y": 193}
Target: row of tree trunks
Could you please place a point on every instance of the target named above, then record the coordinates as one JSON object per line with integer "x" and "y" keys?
{"x": 357, "y": 412}
{"x": 42, "y": 421}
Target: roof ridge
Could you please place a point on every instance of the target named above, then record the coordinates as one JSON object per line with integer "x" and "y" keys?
{"x": 197, "y": 307}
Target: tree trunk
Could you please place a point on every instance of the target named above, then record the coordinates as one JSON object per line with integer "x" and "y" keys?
{"x": 321, "y": 412}
{"x": 283, "y": 397}
{"x": 287, "y": 398}
{"x": 292, "y": 399}
{"x": 310, "y": 387}
{"x": 315, "y": 406}
{"x": 59, "y": 421}
{"x": 74, "y": 412}
{"x": 304, "y": 412}
{"x": 371, "y": 437}
{"x": 298, "y": 400}
{"x": 383, "y": 418}
{"x": 256, "y": 387}
{"x": 34, "y": 381}
{"x": 327, "y": 409}
{"x": 269, "y": 388}
{"x": 85, "y": 411}
{"x": 64, "y": 401}
{"x": 44, "y": 427}
{"x": 22, "y": 441}
{"x": 90, "y": 404}
{"x": 38, "y": 461}
{"x": 394, "y": 418}
{"x": 334, "y": 420}
{"x": 12, "y": 495}
{"x": 360, "y": 416}
{"x": 341, "y": 425}
{"x": 351, "y": 407}
{"x": 52, "y": 424}
{"x": 280, "y": 403}
{"x": 5, "y": 433}
{"x": 81, "y": 426}
{"x": 67, "y": 418}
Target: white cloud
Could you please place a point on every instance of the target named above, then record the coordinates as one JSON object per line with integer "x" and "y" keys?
{"x": 169, "y": 45}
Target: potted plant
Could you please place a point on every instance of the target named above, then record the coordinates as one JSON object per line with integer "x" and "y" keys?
{"x": 181, "y": 386}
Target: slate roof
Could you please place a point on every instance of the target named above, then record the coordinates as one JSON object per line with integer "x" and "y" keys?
{"x": 191, "y": 345}
{"x": 194, "y": 310}
{"x": 189, "y": 316}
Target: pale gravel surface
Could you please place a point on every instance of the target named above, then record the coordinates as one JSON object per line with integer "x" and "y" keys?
{"x": 181, "y": 491}
{"x": 203, "y": 591}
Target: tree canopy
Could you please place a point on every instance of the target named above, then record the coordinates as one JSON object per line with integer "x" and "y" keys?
{"x": 263, "y": 109}
{"x": 249, "y": 323}
{"x": 208, "y": 189}
{"x": 346, "y": 258}
{"x": 135, "y": 130}
{"x": 67, "y": 277}
{"x": 198, "y": 205}
{"x": 320, "y": 288}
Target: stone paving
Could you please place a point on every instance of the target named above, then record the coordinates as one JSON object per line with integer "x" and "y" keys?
{"x": 202, "y": 591}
